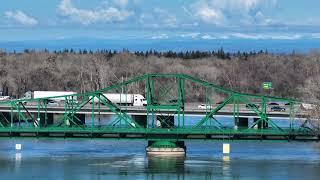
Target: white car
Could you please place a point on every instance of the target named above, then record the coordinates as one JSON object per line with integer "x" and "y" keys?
{"x": 52, "y": 103}
{"x": 205, "y": 106}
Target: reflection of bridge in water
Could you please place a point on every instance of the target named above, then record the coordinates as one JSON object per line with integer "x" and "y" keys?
{"x": 165, "y": 118}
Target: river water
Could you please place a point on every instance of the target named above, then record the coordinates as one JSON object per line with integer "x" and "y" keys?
{"x": 56, "y": 159}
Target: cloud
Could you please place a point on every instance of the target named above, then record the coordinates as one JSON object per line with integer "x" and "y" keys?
{"x": 190, "y": 35}
{"x": 161, "y": 36}
{"x": 21, "y": 18}
{"x": 267, "y": 36}
{"x": 315, "y": 35}
{"x": 208, "y": 37}
{"x": 208, "y": 14}
{"x": 232, "y": 12}
{"x": 121, "y": 3}
{"x": 90, "y": 16}
{"x": 158, "y": 18}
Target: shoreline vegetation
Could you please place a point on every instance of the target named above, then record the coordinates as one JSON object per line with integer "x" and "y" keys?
{"x": 292, "y": 75}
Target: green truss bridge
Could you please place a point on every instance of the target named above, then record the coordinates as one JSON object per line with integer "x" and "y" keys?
{"x": 171, "y": 114}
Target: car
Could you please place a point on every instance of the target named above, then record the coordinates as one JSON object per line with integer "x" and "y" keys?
{"x": 278, "y": 108}
{"x": 250, "y": 105}
{"x": 52, "y": 103}
{"x": 273, "y": 104}
{"x": 205, "y": 106}
{"x": 173, "y": 101}
{"x": 72, "y": 101}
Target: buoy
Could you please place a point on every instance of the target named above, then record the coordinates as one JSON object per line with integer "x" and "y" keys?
{"x": 226, "y": 148}
{"x": 18, "y": 147}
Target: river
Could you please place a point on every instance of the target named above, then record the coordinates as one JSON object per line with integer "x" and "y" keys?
{"x": 55, "y": 159}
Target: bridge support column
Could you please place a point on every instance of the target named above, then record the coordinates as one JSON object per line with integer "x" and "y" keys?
{"x": 5, "y": 118}
{"x": 261, "y": 124}
{"x": 80, "y": 119}
{"x": 140, "y": 119}
{"x": 166, "y": 148}
{"x": 165, "y": 121}
{"x": 241, "y": 122}
{"x": 44, "y": 121}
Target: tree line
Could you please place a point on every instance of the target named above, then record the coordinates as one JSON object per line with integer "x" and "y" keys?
{"x": 293, "y": 75}
{"x": 196, "y": 54}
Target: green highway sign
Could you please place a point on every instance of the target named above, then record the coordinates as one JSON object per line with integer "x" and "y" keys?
{"x": 267, "y": 85}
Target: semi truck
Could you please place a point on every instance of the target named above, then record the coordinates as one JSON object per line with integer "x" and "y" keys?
{"x": 306, "y": 106}
{"x": 46, "y": 94}
{"x": 123, "y": 99}
{"x": 4, "y": 98}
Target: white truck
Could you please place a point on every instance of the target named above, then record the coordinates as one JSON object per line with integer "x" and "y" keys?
{"x": 306, "y": 106}
{"x": 4, "y": 98}
{"x": 46, "y": 94}
{"x": 123, "y": 99}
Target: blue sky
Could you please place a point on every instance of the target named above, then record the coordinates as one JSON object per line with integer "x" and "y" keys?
{"x": 159, "y": 19}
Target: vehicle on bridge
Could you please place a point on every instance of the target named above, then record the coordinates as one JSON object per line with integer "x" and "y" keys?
{"x": 273, "y": 104}
{"x": 251, "y": 105}
{"x": 4, "y": 98}
{"x": 56, "y": 96}
{"x": 307, "y": 106}
{"x": 122, "y": 99}
{"x": 278, "y": 108}
{"x": 204, "y": 106}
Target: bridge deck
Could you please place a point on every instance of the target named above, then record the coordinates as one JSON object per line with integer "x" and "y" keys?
{"x": 161, "y": 133}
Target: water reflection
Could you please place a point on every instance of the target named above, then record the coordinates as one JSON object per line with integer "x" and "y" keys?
{"x": 162, "y": 166}
{"x": 85, "y": 160}
{"x": 226, "y": 165}
{"x": 18, "y": 157}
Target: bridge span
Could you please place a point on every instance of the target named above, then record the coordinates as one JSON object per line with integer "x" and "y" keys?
{"x": 164, "y": 121}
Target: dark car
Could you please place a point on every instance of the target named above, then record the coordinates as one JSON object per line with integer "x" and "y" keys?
{"x": 252, "y": 106}
{"x": 278, "y": 108}
{"x": 273, "y": 104}
{"x": 173, "y": 100}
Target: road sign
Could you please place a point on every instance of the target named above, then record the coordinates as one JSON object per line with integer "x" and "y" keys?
{"x": 267, "y": 85}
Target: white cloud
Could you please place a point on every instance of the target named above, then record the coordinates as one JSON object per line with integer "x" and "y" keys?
{"x": 121, "y": 3}
{"x": 90, "y": 16}
{"x": 158, "y": 18}
{"x": 161, "y": 36}
{"x": 210, "y": 15}
{"x": 267, "y": 36}
{"x": 190, "y": 35}
{"x": 315, "y": 35}
{"x": 208, "y": 37}
{"x": 231, "y": 12}
{"x": 21, "y": 18}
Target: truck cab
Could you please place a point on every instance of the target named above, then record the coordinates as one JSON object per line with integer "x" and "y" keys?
{"x": 139, "y": 100}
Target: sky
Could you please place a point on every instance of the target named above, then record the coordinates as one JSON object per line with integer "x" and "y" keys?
{"x": 159, "y": 19}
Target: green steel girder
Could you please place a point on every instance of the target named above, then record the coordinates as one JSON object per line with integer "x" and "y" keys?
{"x": 21, "y": 115}
{"x": 121, "y": 114}
{"x": 175, "y": 90}
{"x": 262, "y": 113}
{"x": 214, "y": 111}
{"x": 3, "y": 120}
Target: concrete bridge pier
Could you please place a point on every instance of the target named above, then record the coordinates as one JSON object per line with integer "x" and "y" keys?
{"x": 80, "y": 119}
{"x": 166, "y": 148}
{"x": 261, "y": 124}
{"x": 5, "y": 118}
{"x": 45, "y": 120}
{"x": 241, "y": 122}
{"x": 165, "y": 121}
{"x": 141, "y": 120}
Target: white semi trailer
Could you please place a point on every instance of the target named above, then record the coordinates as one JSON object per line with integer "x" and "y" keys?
{"x": 46, "y": 94}
{"x": 123, "y": 99}
{"x": 4, "y": 98}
